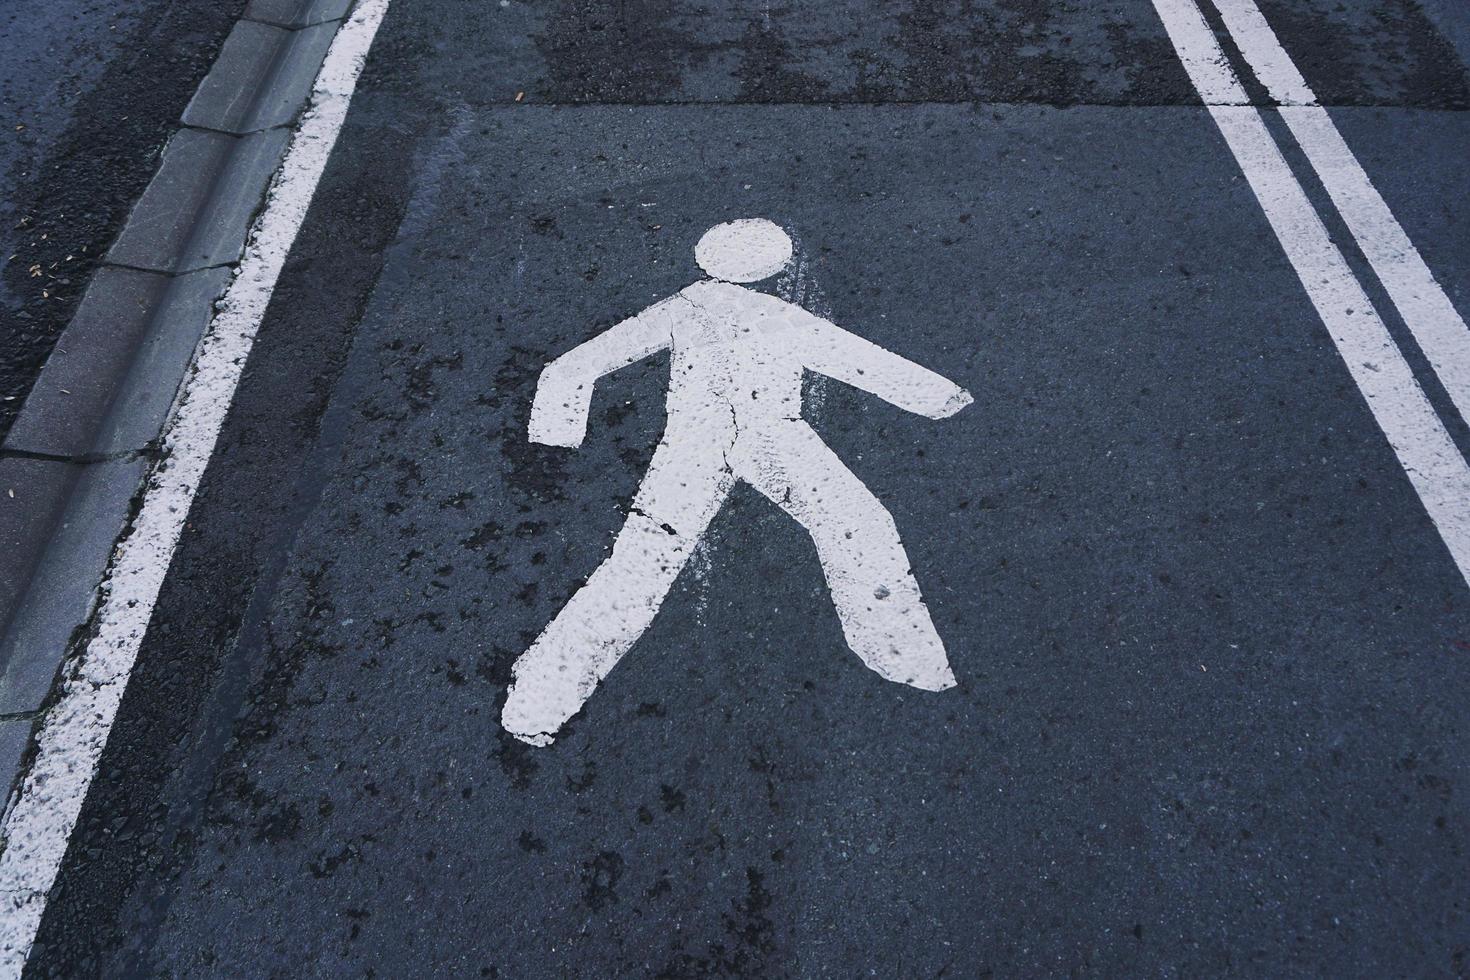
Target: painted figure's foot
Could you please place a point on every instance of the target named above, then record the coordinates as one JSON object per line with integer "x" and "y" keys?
{"x": 534, "y": 712}
{"x": 919, "y": 669}
{"x": 540, "y": 740}
{"x": 908, "y": 651}
{"x": 941, "y": 679}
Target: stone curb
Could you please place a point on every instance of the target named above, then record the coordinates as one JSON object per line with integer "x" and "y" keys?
{"x": 82, "y": 444}
{"x": 296, "y": 13}
{"x": 98, "y": 395}
{"x": 80, "y": 509}
{"x": 196, "y": 211}
{"x": 276, "y": 64}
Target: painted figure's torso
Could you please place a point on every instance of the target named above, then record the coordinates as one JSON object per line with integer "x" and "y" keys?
{"x": 733, "y": 341}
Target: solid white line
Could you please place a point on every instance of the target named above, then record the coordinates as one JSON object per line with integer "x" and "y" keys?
{"x": 1438, "y": 329}
{"x": 74, "y": 732}
{"x": 1202, "y": 57}
{"x": 1435, "y": 467}
{"x": 1268, "y": 59}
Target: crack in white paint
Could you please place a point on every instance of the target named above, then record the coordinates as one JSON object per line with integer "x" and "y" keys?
{"x": 734, "y": 414}
{"x": 1434, "y": 466}
{"x": 799, "y": 286}
{"x": 75, "y": 730}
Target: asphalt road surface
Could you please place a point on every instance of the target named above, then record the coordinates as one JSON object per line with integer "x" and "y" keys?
{"x": 89, "y": 91}
{"x": 1212, "y": 651}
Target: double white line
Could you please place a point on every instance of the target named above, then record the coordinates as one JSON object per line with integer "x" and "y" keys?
{"x": 1434, "y": 465}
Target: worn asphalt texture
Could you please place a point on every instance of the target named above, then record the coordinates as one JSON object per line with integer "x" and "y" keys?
{"x": 1213, "y": 658}
{"x": 90, "y": 91}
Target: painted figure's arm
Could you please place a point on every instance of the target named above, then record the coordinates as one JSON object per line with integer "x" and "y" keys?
{"x": 564, "y": 391}
{"x": 828, "y": 349}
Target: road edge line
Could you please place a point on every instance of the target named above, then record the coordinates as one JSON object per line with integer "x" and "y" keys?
{"x": 74, "y": 458}
{"x": 74, "y": 732}
{"x": 1437, "y": 471}
{"x": 1421, "y": 301}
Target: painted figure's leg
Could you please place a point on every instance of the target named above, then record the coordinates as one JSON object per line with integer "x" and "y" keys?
{"x": 679, "y": 496}
{"x": 883, "y": 616}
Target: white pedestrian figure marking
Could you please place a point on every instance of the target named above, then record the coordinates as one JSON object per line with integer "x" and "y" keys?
{"x": 734, "y": 413}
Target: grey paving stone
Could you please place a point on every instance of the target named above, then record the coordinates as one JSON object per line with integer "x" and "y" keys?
{"x": 261, "y": 78}
{"x": 109, "y": 383}
{"x": 296, "y": 13}
{"x": 15, "y": 735}
{"x": 32, "y": 493}
{"x": 49, "y": 594}
{"x": 197, "y": 210}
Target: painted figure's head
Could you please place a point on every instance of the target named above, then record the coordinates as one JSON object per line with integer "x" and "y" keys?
{"x": 747, "y": 250}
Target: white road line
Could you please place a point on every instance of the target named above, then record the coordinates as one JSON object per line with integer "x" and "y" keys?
{"x": 1268, "y": 59}
{"x": 1438, "y": 329}
{"x": 74, "y": 732}
{"x": 1435, "y": 467}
